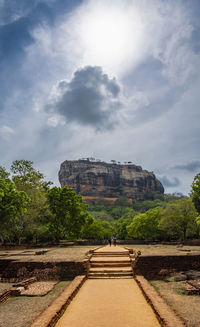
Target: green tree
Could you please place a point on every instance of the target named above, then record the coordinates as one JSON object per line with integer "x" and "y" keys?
{"x": 31, "y": 181}
{"x": 98, "y": 230}
{"x": 102, "y": 215}
{"x": 13, "y": 204}
{"x": 69, "y": 213}
{"x": 24, "y": 175}
{"x": 121, "y": 228}
{"x": 178, "y": 218}
{"x": 146, "y": 225}
{"x": 195, "y": 192}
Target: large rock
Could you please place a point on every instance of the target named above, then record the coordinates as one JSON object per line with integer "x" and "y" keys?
{"x": 105, "y": 180}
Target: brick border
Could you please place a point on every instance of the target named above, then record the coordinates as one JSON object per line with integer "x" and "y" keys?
{"x": 164, "y": 313}
{"x": 131, "y": 251}
{"x": 50, "y": 316}
{"x": 6, "y": 294}
{"x": 95, "y": 249}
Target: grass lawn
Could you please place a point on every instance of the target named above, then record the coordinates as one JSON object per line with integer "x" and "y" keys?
{"x": 186, "y": 306}
{"x": 70, "y": 253}
{"x": 21, "y": 311}
{"x": 162, "y": 249}
{"x": 76, "y": 253}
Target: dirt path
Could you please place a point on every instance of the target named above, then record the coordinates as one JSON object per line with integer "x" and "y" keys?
{"x": 112, "y": 248}
{"x": 109, "y": 303}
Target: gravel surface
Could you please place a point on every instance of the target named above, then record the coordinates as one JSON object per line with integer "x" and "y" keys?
{"x": 21, "y": 311}
{"x": 5, "y": 286}
{"x": 39, "y": 288}
{"x": 71, "y": 253}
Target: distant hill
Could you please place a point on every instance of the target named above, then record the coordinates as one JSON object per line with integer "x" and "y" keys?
{"x": 109, "y": 180}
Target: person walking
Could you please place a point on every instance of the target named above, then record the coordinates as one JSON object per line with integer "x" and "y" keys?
{"x": 110, "y": 241}
{"x": 114, "y": 241}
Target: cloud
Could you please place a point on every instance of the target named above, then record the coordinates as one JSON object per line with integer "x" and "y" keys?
{"x": 174, "y": 182}
{"x": 156, "y": 91}
{"x": 6, "y": 132}
{"x": 190, "y": 166}
{"x": 89, "y": 98}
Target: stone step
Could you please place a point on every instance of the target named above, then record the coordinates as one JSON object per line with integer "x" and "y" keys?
{"x": 109, "y": 264}
{"x": 111, "y": 255}
{"x": 110, "y": 270}
{"x": 110, "y": 277}
{"x": 130, "y": 273}
{"x": 113, "y": 261}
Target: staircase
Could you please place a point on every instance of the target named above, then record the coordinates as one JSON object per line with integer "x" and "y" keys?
{"x": 110, "y": 264}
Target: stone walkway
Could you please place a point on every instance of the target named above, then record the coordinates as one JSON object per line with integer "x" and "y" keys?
{"x": 109, "y": 302}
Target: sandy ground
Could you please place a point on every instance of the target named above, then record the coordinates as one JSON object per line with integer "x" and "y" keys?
{"x": 70, "y": 253}
{"x": 21, "y": 311}
{"x": 112, "y": 248}
{"x": 108, "y": 303}
{"x": 186, "y": 306}
{"x": 164, "y": 249}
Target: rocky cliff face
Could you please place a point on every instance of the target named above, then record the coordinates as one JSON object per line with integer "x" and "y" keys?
{"x": 105, "y": 180}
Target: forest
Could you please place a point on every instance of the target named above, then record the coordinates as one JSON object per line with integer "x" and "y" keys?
{"x": 33, "y": 211}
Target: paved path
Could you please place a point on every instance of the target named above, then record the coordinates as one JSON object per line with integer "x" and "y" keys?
{"x": 112, "y": 248}
{"x": 109, "y": 303}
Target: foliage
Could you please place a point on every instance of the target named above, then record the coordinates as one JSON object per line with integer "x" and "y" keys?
{"x": 30, "y": 210}
{"x": 195, "y": 192}
{"x": 121, "y": 228}
{"x": 25, "y": 174}
{"x": 31, "y": 181}
{"x": 69, "y": 213}
{"x": 146, "y": 225}
{"x": 12, "y": 206}
{"x": 178, "y": 218}
{"x": 102, "y": 215}
{"x": 98, "y": 229}
{"x": 122, "y": 201}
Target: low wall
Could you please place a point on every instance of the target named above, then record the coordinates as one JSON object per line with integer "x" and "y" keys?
{"x": 149, "y": 266}
{"x": 13, "y": 271}
{"x": 6, "y": 294}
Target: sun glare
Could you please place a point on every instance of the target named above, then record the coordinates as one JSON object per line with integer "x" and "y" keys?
{"x": 111, "y": 37}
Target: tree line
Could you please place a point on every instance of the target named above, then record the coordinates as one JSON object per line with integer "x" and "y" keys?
{"x": 33, "y": 210}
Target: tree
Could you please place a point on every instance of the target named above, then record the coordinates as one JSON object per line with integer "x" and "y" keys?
{"x": 31, "y": 181}
{"x": 69, "y": 213}
{"x": 146, "y": 225}
{"x": 25, "y": 176}
{"x": 122, "y": 201}
{"x": 178, "y": 218}
{"x": 121, "y": 228}
{"x": 4, "y": 174}
{"x": 12, "y": 205}
{"x": 195, "y": 192}
{"x": 98, "y": 229}
{"x": 102, "y": 215}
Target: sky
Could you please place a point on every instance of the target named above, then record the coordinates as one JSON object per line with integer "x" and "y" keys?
{"x": 109, "y": 79}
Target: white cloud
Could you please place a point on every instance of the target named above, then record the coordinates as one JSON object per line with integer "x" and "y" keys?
{"x": 6, "y": 132}
{"x": 158, "y": 125}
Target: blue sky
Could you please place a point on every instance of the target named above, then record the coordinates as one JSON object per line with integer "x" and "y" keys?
{"x": 108, "y": 79}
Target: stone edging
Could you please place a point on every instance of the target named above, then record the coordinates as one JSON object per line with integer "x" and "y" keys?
{"x": 130, "y": 250}
{"x": 164, "y": 313}
{"x": 50, "y": 316}
{"x": 95, "y": 249}
{"x": 8, "y": 293}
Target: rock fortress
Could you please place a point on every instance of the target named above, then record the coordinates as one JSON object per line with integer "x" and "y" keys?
{"x": 109, "y": 181}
